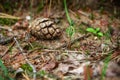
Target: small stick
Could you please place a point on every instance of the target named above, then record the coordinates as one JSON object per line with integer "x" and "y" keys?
{"x": 73, "y": 41}
{"x": 3, "y": 15}
{"x": 25, "y": 76}
{"x": 42, "y": 56}
{"x": 52, "y": 57}
{"x": 8, "y": 49}
{"x": 87, "y": 14}
{"x": 6, "y": 28}
{"x": 69, "y": 51}
{"x": 84, "y": 13}
{"x": 34, "y": 69}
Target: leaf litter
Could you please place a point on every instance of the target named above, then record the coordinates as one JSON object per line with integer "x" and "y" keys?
{"x": 85, "y": 55}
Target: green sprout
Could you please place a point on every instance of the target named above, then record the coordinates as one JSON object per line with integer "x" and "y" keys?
{"x": 26, "y": 67}
{"x": 42, "y": 73}
{"x": 70, "y": 30}
{"x": 95, "y": 31}
{"x": 105, "y": 66}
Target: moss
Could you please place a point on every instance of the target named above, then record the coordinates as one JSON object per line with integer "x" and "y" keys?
{"x": 6, "y": 21}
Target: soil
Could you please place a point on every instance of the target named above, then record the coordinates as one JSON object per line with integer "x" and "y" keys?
{"x": 83, "y": 56}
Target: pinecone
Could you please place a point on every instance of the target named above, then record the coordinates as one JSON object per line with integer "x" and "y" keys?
{"x": 44, "y": 28}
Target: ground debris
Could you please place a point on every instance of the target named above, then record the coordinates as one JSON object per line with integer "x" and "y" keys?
{"x": 53, "y": 60}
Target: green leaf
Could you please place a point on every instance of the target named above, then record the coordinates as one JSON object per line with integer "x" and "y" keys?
{"x": 100, "y": 34}
{"x": 26, "y": 67}
{"x": 5, "y": 72}
{"x": 97, "y": 29}
{"x": 92, "y": 30}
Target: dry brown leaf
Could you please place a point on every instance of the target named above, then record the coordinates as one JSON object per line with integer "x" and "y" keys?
{"x": 49, "y": 66}
{"x": 64, "y": 68}
{"x": 80, "y": 69}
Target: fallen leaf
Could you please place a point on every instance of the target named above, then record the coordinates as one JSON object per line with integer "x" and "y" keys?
{"x": 49, "y": 66}
{"x": 64, "y": 68}
{"x": 80, "y": 69}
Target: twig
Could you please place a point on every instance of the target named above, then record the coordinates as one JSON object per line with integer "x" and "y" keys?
{"x": 73, "y": 41}
{"x": 88, "y": 14}
{"x": 69, "y": 51}
{"x": 5, "y": 28}
{"x": 8, "y": 49}
{"x": 3, "y": 15}
{"x": 84, "y": 13}
{"x": 34, "y": 69}
{"x": 25, "y": 76}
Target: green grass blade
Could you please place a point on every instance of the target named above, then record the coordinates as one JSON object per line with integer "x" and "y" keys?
{"x": 67, "y": 14}
{"x": 107, "y": 60}
{"x": 4, "y": 69}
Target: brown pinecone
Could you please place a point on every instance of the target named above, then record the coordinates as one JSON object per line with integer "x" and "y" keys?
{"x": 44, "y": 28}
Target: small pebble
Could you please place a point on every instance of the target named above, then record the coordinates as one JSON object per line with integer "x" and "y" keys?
{"x": 28, "y": 18}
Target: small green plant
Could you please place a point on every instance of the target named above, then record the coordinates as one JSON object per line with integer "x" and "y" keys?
{"x": 95, "y": 31}
{"x": 7, "y": 21}
{"x": 105, "y": 66}
{"x": 4, "y": 74}
{"x": 70, "y": 30}
{"x": 26, "y": 67}
{"x": 42, "y": 73}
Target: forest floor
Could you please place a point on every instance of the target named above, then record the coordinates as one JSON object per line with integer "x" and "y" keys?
{"x": 84, "y": 56}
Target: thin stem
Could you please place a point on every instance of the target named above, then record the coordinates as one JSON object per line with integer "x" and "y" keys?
{"x": 49, "y": 8}
{"x": 67, "y": 14}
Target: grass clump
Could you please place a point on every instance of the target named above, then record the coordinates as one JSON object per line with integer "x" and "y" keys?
{"x": 6, "y": 21}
